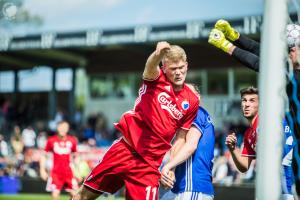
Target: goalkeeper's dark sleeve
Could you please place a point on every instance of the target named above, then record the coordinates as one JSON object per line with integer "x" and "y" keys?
{"x": 293, "y": 90}
{"x": 247, "y": 58}
{"x": 248, "y": 44}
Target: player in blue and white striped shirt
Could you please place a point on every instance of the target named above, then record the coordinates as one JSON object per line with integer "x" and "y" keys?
{"x": 194, "y": 161}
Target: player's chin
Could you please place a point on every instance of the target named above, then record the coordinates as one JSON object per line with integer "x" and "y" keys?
{"x": 178, "y": 82}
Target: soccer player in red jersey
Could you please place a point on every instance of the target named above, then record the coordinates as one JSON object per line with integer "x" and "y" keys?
{"x": 249, "y": 97}
{"x": 61, "y": 145}
{"x": 249, "y": 106}
{"x": 165, "y": 105}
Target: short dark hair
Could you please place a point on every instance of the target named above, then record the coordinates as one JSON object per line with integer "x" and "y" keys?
{"x": 248, "y": 90}
{"x": 195, "y": 87}
{"x": 63, "y": 122}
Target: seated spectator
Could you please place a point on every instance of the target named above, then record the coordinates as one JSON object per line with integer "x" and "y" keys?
{"x": 88, "y": 133}
{"x": 17, "y": 141}
{"x": 3, "y": 147}
{"x": 41, "y": 140}
{"x": 28, "y": 136}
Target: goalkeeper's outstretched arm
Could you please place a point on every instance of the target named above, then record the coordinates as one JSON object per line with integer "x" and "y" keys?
{"x": 247, "y": 44}
{"x": 217, "y": 38}
{"x": 247, "y": 58}
{"x": 234, "y": 36}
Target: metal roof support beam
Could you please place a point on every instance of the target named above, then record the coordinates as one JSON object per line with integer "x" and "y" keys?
{"x": 59, "y": 55}
{"x": 16, "y": 62}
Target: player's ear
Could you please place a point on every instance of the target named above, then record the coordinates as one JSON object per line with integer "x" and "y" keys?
{"x": 292, "y": 52}
{"x": 292, "y": 49}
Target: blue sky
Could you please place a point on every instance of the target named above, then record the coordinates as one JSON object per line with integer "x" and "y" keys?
{"x": 69, "y": 15}
{"x": 73, "y": 15}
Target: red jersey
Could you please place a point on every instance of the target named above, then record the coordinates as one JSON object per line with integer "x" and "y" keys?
{"x": 62, "y": 149}
{"x": 250, "y": 138}
{"x": 158, "y": 112}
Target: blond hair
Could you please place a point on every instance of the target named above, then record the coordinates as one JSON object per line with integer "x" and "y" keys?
{"x": 175, "y": 54}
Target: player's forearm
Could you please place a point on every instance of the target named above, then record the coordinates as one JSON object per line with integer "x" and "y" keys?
{"x": 43, "y": 163}
{"x": 178, "y": 144}
{"x": 247, "y": 58}
{"x": 240, "y": 162}
{"x": 43, "y": 160}
{"x": 152, "y": 66}
{"x": 248, "y": 44}
{"x": 181, "y": 156}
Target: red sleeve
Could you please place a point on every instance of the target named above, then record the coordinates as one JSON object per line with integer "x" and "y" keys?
{"x": 74, "y": 146}
{"x": 190, "y": 116}
{"x": 49, "y": 145}
{"x": 248, "y": 151}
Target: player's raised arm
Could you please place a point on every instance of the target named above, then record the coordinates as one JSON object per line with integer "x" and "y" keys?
{"x": 151, "y": 71}
{"x": 242, "y": 163}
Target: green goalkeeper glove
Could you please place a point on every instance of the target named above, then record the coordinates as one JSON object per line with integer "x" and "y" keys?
{"x": 229, "y": 32}
{"x": 217, "y": 38}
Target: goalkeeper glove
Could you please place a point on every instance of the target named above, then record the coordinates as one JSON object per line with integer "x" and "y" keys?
{"x": 217, "y": 38}
{"x": 229, "y": 32}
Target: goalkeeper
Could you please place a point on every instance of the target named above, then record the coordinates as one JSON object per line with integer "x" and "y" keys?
{"x": 246, "y": 51}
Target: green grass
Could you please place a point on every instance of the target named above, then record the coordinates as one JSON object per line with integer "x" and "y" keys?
{"x": 44, "y": 197}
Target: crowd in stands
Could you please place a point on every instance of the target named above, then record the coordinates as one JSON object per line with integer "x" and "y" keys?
{"x": 21, "y": 145}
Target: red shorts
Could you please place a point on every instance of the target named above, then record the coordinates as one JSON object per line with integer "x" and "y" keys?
{"x": 120, "y": 166}
{"x": 58, "y": 181}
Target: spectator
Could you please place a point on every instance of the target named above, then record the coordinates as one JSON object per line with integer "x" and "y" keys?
{"x": 3, "y": 147}
{"x": 59, "y": 116}
{"x": 17, "y": 141}
{"x": 41, "y": 140}
{"x": 28, "y": 136}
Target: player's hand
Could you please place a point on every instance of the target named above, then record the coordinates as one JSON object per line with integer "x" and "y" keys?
{"x": 162, "y": 48}
{"x": 217, "y": 38}
{"x": 231, "y": 141}
{"x": 167, "y": 178}
{"x": 44, "y": 174}
{"x": 229, "y": 32}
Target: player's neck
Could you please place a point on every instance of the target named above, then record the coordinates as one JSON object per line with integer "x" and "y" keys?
{"x": 177, "y": 88}
{"x": 61, "y": 137}
{"x": 252, "y": 120}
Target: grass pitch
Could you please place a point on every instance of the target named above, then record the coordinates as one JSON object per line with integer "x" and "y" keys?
{"x": 45, "y": 197}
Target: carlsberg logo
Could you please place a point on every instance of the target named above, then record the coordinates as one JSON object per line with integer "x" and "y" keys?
{"x": 167, "y": 105}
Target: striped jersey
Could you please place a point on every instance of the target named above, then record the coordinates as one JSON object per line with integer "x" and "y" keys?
{"x": 195, "y": 175}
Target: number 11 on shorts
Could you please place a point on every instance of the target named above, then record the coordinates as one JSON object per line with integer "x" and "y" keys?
{"x": 148, "y": 191}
